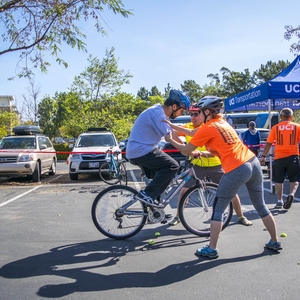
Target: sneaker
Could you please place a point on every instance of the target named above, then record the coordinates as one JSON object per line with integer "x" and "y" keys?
{"x": 174, "y": 222}
{"x": 279, "y": 205}
{"x": 288, "y": 202}
{"x": 167, "y": 218}
{"x": 274, "y": 245}
{"x": 143, "y": 197}
{"x": 244, "y": 221}
{"x": 206, "y": 251}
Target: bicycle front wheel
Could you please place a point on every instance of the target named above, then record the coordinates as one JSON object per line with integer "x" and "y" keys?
{"x": 108, "y": 175}
{"x": 195, "y": 215}
{"x": 115, "y": 213}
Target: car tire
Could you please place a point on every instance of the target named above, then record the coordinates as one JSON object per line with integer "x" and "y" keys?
{"x": 53, "y": 168}
{"x": 73, "y": 176}
{"x": 36, "y": 176}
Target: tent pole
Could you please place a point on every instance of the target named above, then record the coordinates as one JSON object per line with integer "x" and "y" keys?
{"x": 271, "y": 149}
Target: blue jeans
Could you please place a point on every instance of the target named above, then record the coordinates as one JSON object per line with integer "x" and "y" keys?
{"x": 164, "y": 166}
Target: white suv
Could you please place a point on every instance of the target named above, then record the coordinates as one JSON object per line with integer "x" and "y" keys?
{"x": 27, "y": 153}
{"x": 89, "y": 151}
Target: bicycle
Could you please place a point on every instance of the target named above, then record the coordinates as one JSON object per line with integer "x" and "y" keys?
{"x": 117, "y": 213}
{"x": 114, "y": 170}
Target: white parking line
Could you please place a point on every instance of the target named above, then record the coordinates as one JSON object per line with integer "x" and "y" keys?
{"x": 136, "y": 184}
{"x": 13, "y": 199}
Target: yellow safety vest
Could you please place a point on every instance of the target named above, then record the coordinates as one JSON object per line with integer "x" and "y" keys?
{"x": 203, "y": 161}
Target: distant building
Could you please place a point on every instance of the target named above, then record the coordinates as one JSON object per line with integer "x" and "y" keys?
{"x": 5, "y": 103}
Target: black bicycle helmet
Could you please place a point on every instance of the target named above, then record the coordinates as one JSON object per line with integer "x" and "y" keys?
{"x": 213, "y": 103}
{"x": 180, "y": 98}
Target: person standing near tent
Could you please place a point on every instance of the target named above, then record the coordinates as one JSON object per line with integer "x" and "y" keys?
{"x": 251, "y": 138}
{"x": 240, "y": 166}
{"x": 286, "y": 135}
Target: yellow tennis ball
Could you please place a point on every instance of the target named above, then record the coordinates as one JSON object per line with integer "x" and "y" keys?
{"x": 157, "y": 233}
{"x": 283, "y": 235}
{"x": 151, "y": 242}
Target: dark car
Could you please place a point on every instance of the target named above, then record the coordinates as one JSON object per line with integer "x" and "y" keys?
{"x": 171, "y": 150}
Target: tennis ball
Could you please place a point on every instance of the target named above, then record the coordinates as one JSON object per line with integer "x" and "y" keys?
{"x": 283, "y": 235}
{"x": 157, "y": 233}
{"x": 151, "y": 242}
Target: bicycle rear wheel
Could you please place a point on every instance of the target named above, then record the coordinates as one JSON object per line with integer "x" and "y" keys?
{"x": 113, "y": 221}
{"x": 108, "y": 175}
{"x": 122, "y": 173}
{"x": 193, "y": 214}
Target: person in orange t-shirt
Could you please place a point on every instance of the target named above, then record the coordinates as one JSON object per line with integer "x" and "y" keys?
{"x": 286, "y": 134}
{"x": 240, "y": 166}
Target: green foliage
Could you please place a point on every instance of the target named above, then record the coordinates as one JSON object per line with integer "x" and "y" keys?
{"x": 33, "y": 27}
{"x": 269, "y": 70}
{"x": 193, "y": 90}
{"x": 100, "y": 78}
{"x": 62, "y": 151}
{"x": 8, "y": 120}
{"x": 291, "y": 32}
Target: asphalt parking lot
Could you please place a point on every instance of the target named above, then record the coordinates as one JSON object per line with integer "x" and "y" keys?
{"x": 51, "y": 249}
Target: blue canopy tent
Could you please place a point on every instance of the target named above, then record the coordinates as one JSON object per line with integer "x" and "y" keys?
{"x": 281, "y": 91}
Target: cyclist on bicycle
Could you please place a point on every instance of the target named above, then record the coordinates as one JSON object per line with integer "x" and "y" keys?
{"x": 240, "y": 166}
{"x": 142, "y": 149}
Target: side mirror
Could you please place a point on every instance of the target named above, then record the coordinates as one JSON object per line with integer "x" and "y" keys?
{"x": 71, "y": 146}
{"x": 43, "y": 147}
{"x": 121, "y": 144}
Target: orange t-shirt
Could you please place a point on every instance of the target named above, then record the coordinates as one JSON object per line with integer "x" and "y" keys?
{"x": 221, "y": 140}
{"x": 286, "y": 134}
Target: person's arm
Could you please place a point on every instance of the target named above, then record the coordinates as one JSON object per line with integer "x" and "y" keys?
{"x": 185, "y": 131}
{"x": 265, "y": 152}
{"x": 184, "y": 149}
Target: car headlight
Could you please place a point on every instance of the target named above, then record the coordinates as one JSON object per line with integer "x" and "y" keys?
{"x": 75, "y": 156}
{"x": 27, "y": 157}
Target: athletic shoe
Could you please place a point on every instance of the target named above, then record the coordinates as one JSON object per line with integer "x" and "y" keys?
{"x": 274, "y": 245}
{"x": 143, "y": 197}
{"x": 174, "y": 222}
{"x": 279, "y": 205}
{"x": 244, "y": 221}
{"x": 288, "y": 202}
{"x": 206, "y": 251}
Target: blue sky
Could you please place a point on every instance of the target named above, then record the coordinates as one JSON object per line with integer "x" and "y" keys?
{"x": 169, "y": 41}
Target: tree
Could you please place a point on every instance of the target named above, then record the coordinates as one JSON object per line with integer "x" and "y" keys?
{"x": 143, "y": 93}
{"x": 291, "y": 32}
{"x": 33, "y": 27}
{"x": 192, "y": 89}
{"x": 155, "y": 92}
{"x": 100, "y": 77}
{"x": 269, "y": 70}
{"x": 8, "y": 120}
{"x": 30, "y": 102}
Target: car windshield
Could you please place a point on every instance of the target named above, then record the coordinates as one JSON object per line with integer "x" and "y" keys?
{"x": 95, "y": 141}
{"x": 18, "y": 143}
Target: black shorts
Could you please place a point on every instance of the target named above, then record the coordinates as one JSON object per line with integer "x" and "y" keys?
{"x": 289, "y": 166}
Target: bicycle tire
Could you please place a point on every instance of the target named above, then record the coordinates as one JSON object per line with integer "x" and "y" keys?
{"x": 192, "y": 214}
{"x": 122, "y": 173}
{"x": 107, "y": 219}
{"x": 107, "y": 175}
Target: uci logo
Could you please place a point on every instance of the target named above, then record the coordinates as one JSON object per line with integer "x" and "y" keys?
{"x": 286, "y": 127}
{"x": 231, "y": 101}
{"x": 292, "y": 88}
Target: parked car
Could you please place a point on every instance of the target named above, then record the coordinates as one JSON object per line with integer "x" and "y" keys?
{"x": 89, "y": 151}
{"x": 59, "y": 140}
{"x": 27, "y": 153}
{"x": 171, "y": 150}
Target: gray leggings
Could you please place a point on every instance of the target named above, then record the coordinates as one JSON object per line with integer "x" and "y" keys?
{"x": 249, "y": 173}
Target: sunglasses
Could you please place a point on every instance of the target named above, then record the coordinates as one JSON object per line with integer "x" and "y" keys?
{"x": 195, "y": 114}
{"x": 252, "y": 125}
